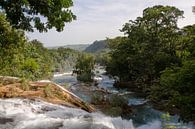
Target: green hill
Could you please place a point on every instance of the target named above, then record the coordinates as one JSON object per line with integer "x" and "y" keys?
{"x": 97, "y": 46}
{"x": 78, "y": 47}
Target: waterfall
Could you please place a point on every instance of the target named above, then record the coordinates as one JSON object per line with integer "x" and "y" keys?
{"x": 29, "y": 114}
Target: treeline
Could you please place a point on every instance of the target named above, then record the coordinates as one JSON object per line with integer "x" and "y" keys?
{"x": 30, "y": 59}
{"x": 158, "y": 58}
{"x": 64, "y": 59}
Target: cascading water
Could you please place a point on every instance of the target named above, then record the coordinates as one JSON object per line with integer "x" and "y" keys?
{"x": 19, "y": 113}
{"x": 144, "y": 115}
{"x": 28, "y": 114}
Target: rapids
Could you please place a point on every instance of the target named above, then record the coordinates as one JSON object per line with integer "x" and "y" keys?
{"x": 30, "y": 114}
{"x": 17, "y": 113}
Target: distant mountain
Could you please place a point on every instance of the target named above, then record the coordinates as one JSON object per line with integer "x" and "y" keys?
{"x": 97, "y": 46}
{"x": 78, "y": 47}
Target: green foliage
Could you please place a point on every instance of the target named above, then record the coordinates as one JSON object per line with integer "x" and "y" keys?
{"x": 158, "y": 57}
{"x": 30, "y": 60}
{"x": 12, "y": 43}
{"x": 102, "y": 58}
{"x": 39, "y": 14}
{"x": 84, "y": 67}
{"x": 165, "y": 122}
{"x": 186, "y": 47}
{"x": 150, "y": 45}
{"x": 20, "y": 58}
{"x": 35, "y": 52}
{"x": 117, "y": 62}
{"x": 30, "y": 65}
{"x": 112, "y": 100}
{"x": 113, "y": 105}
{"x": 85, "y": 77}
{"x": 63, "y": 59}
{"x": 118, "y": 101}
{"x": 177, "y": 88}
{"x": 97, "y": 99}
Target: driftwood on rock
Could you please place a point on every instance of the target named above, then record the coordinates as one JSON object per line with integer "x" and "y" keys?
{"x": 11, "y": 87}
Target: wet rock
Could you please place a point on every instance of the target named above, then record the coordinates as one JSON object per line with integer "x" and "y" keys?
{"x": 47, "y": 109}
{"x": 5, "y": 120}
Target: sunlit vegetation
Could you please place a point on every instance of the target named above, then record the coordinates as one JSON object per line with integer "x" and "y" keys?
{"x": 84, "y": 67}
{"x": 30, "y": 59}
{"x": 157, "y": 56}
{"x": 19, "y": 57}
{"x": 63, "y": 59}
{"x": 154, "y": 55}
{"x": 41, "y": 15}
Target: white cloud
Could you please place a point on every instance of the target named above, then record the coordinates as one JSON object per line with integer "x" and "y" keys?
{"x": 98, "y": 19}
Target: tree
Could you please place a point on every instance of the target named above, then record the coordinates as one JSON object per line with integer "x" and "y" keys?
{"x": 64, "y": 59}
{"x": 37, "y": 63}
{"x": 149, "y": 45}
{"x": 117, "y": 64}
{"x": 186, "y": 46}
{"x": 39, "y": 14}
{"x": 176, "y": 90}
{"x": 156, "y": 34}
{"x": 159, "y": 57}
{"x": 84, "y": 67}
{"x": 21, "y": 58}
{"x": 12, "y": 44}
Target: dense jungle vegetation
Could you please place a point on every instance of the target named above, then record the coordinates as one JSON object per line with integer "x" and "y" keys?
{"x": 155, "y": 55}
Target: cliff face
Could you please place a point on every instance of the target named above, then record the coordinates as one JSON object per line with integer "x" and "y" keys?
{"x": 11, "y": 87}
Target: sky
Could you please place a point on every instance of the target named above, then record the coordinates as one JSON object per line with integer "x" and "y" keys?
{"x": 99, "y": 19}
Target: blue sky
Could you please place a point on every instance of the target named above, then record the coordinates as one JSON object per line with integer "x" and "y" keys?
{"x": 98, "y": 19}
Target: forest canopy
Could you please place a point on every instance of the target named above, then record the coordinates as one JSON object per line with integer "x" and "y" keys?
{"x": 157, "y": 57}
{"x": 37, "y": 14}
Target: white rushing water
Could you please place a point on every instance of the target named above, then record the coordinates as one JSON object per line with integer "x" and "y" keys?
{"x": 29, "y": 114}
{"x": 62, "y": 74}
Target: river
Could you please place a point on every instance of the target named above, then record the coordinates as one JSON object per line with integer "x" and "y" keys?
{"x": 144, "y": 116}
{"x": 19, "y": 113}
